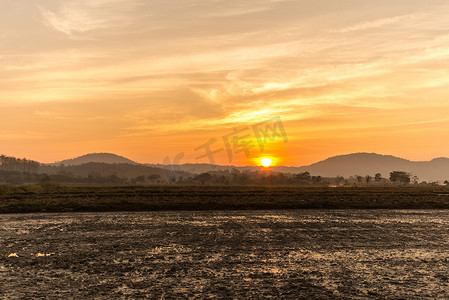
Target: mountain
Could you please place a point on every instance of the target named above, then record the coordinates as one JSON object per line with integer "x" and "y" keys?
{"x": 345, "y": 165}
{"x": 107, "y": 158}
{"x": 372, "y": 163}
{"x": 342, "y": 165}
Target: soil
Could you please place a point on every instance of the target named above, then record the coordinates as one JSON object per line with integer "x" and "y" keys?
{"x": 57, "y": 198}
{"x": 226, "y": 254}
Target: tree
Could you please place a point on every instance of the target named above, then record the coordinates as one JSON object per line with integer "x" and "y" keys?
{"x": 8, "y": 163}
{"x": 139, "y": 179}
{"x": 359, "y": 179}
{"x": 368, "y": 179}
{"x": 339, "y": 180}
{"x": 378, "y": 177}
{"x": 153, "y": 178}
{"x": 316, "y": 179}
{"x": 203, "y": 178}
{"x": 303, "y": 178}
{"x": 400, "y": 176}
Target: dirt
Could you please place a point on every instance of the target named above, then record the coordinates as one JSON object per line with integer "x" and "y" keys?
{"x": 57, "y": 198}
{"x": 226, "y": 254}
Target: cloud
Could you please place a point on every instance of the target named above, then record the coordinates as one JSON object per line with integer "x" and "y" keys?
{"x": 86, "y": 15}
{"x": 152, "y": 67}
{"x": 374, "y": 24}
{"x": 49, "y": 115}
{"x": 69, "y": 21}
{"x": 241, "y": 10}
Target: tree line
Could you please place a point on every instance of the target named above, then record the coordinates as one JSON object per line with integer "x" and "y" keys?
{"x": 24, "y": 171}
{"x": 236, "y": 177}
{"x": 9, "y": 163}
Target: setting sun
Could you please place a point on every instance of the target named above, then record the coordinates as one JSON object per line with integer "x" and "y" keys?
{"x": 266, "y": 162}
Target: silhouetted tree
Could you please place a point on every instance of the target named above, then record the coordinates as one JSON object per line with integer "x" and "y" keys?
{"x": 138, "y": 180}
{"x": 400, "y": 176}
{"x": 378, "y": 177}
{"x": 368, "y": 179}
{"x": 203, "y": 178}
{"x": 339, "y": 179}
{"x": 316, "y": 179}
{"x": 359, "y": 179}
{"x": 152, "y": 178}
{"x": 303, "y": 178}
{"x": 8, "y": 163}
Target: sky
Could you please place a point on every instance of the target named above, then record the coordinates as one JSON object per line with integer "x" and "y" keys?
{"x": 159, "y": 81}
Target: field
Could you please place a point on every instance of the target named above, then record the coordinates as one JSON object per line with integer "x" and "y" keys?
{"x": 396, "y": 254}
{"x": 55, "y": 198}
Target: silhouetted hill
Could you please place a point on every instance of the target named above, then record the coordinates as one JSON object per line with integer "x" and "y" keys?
{"x": 106, "y": 158}
{"x": 371, "y": 163}
{"x": 343, "y": 165}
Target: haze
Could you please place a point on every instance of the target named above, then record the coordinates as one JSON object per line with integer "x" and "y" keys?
{"x": 150, "y": 79}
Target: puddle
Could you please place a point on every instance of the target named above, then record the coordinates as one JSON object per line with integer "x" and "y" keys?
{"x": 44, "y": 254}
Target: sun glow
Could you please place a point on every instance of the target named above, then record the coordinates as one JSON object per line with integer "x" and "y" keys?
{"x": 266, "y": 162}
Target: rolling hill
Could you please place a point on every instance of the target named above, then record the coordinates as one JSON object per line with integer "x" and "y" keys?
{"x": 342, "y": 165}
{"x": 371, "y": 163}
{"x": 349, "y": 165}
{"x": 107, "y": 158}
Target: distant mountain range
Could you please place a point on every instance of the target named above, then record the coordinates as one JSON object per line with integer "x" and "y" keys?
{"x": 371, "y": 163}
{"x": 107, "y": 158}
{"x": 343, "y": 165}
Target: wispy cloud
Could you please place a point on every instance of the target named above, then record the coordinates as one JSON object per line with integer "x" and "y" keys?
{"x": 85, "y": 15}
{"x": 374, "y": 24}
{"x": 49, "y": 115}
{"x": 160, "y": 67}
{"x": 241, "y": 10}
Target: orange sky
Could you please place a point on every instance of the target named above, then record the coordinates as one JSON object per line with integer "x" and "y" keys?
{"x": 151, "y": 79}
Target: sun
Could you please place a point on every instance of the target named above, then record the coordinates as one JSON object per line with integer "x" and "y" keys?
{"x": 266, "y": 162}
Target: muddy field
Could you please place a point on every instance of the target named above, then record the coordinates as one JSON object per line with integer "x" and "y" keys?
{"x": 226, "y": 254}
{"x": 57, "y": 198}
